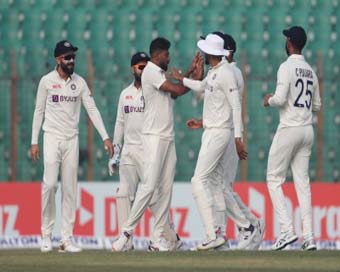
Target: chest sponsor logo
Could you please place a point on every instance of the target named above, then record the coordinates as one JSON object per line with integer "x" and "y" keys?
{"x": 63, "y": 98}
{"x": 55, "y": 98}
{"x": 131, "y": 109}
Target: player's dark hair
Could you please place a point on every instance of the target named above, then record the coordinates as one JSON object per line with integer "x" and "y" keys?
{"x": 159, "y": 44}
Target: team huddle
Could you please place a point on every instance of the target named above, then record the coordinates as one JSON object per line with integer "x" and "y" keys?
{"x": 143, "y": 147}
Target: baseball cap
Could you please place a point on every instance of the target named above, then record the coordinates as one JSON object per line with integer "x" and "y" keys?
{"x": 64, "y": 47}
{"x": 138, "y": 57}
{"x": 296, "y": 35}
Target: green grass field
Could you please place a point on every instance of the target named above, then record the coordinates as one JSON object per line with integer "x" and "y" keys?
{"x": 34, "y": 261}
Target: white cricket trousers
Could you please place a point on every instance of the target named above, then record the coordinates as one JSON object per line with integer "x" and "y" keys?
{"x": 159, "y": 165}
{"x": 130, "y": 175}
{"x": 235, "y": 207}
{"x": 60, "y": 154}
{"x": 205, "y": 186}
{"x": 291, "y": 147}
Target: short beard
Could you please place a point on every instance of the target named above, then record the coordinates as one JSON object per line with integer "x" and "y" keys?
{"x": 164, "y": 67}
{"x": 287, "y": 50}
{"x": 206, "y": 59}
{"x": 138, "y": 78}
{"x": 66, "y": 70}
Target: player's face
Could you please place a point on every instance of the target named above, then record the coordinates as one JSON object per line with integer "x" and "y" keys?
{"x": 67, "y": 62}
{"x": 164, "y": 59}
{"x": 138, "y": 70}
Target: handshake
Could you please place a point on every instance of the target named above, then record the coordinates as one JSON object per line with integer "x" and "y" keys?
{"x": 115, "y": 160}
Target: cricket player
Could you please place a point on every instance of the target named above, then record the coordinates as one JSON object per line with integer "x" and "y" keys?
{"x": 221, "y": 113}
{"x": 128, "y": 128}
{"x": 59, "y": 97}
{"x": 159, "y": 154}
{"x": 297, "y": 96}
{"x": 236, "y": 209}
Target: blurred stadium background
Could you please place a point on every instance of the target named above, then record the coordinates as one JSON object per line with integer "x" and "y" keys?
{"x": 108, "y": 32}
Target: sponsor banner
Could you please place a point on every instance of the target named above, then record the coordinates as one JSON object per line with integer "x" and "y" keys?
{"x": 96, "y": 216}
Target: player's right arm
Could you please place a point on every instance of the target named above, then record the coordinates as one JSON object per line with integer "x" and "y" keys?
{"x": 174, "y": 89}
{"x": 38, "y": 117}
{"x": 118, "y": 134}
{"x": 282, "y": 88}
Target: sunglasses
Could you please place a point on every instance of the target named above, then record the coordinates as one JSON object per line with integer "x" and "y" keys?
{"x": 140, "y": 67}
{"x": 69, "y": 57}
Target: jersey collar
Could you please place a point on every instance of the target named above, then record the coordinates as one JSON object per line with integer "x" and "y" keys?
{"x": 296, "y": 56}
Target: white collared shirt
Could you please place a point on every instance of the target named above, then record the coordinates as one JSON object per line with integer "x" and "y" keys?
{"x": 58, "y": 104}
{"x": 158, "y": 112}
{"x": 130, "y": 114}
{"x": 297, "y": 92}
{"x": 222, "y": 107}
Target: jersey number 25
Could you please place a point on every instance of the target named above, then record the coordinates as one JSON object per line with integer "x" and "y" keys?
{"x": 308, "y": 93}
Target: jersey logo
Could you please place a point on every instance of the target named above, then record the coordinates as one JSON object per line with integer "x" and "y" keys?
{"x": 214, "y": 76}
{"x": 55, "y": 98}
{"x": 56, "y": 86}
{"x": 73, "y": 86}
{"x": 129, "y": 97}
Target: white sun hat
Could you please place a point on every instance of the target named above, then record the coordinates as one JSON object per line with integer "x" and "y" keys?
{"x": 213, "y": 45}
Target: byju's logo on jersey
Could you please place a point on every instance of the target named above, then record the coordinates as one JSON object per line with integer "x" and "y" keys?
{"x": 63, "y": 98}
{"x": 55, "y": 98}
{"x": 126, "y": 109}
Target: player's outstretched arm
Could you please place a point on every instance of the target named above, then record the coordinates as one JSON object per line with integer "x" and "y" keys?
{"x": 175, "y": 89}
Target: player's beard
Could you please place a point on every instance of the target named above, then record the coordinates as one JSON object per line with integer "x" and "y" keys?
{"x": 164, "y": 66}
{"x": 206, "y": 59}
{"x": 287, "y": 50}
{"x": 138, "y": 78}
{"x": 67, "y": 68}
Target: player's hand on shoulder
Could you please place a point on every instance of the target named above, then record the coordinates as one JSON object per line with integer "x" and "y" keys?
{"x": 194, "y": 123}
{"x": 240, "y": 148}
{"x": 266, "y": 100}
{"x": 34, "y": 152}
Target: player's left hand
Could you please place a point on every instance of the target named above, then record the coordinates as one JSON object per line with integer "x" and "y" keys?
{"x": 108, "y": 147}
{"x": 198, "y": 72}
{"x": 265, "y": 99}
{"x": 240, "y": 148}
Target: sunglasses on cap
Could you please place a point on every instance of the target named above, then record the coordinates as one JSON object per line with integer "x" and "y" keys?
{"x": 69, "y": 57}
{"x": 140, "y": 66}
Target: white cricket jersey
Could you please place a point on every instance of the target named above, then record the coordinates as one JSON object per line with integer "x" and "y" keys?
{"x": 239, "y": 79}
{"x": 158, "y": 111}
{"x": 222, "y": 107}
{"x": 297, "y": 92}
{"x": 58, "y": 103}
{"x": 129, "y": 119}
{"x": 239, "y": 82}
